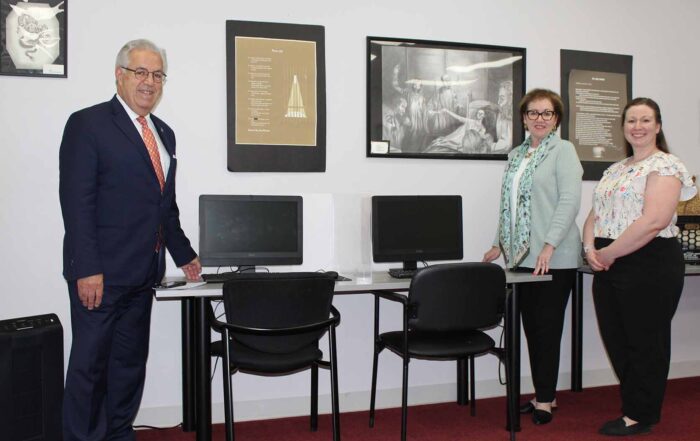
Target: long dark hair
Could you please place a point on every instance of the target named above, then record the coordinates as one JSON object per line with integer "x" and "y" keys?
{"x": 660, "y": 138}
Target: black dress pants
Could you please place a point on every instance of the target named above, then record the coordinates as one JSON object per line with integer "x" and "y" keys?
{"x": 107, "y": 367}
{"x": 635, "y": 301}
{"x": 543, "y": 305}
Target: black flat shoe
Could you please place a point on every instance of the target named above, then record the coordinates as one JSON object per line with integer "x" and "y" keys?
{"x": 529, "y": 407}
{"x": 540, "y": 417}
{"x": 618, "y": 428}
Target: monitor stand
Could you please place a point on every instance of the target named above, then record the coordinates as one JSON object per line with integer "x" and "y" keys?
{"x": 408, "y": 265}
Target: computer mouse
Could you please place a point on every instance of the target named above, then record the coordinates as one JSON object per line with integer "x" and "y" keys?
{"x": 333, "y": 274}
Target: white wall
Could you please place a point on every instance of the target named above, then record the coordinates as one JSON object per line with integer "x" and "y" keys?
{"x": 662, "y": 41}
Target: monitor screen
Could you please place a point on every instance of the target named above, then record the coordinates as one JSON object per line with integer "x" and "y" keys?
{"x": 412, "y": 228}
{"x": 237, "y": 230}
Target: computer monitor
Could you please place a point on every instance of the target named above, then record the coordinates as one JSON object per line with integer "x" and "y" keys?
{"x": 244, "y": 231}
{"x": 412, "y": 228}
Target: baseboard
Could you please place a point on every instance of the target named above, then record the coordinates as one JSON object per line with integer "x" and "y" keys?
{"x": 357, "y": 401}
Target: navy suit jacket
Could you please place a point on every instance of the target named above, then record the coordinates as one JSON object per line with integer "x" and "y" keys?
{"x": 111, "y": 201}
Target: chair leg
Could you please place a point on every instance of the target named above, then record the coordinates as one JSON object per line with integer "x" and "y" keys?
{"x": 228, "y": 390}
{"x": 462, "y": 382}
{"x": 334, "y": 385}
{"x": 472, "y": 386}
{"x": 314, "y": 398}
{"x": 404, "y": 398}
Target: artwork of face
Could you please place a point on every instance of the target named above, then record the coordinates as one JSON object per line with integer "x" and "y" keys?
{"x": 32, "y": 38}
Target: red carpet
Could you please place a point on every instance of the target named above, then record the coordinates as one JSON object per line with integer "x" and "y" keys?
{"x": 578, "y": 418}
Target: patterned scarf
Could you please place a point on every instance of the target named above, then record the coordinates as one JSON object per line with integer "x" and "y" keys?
{"x": 516, "y": 244}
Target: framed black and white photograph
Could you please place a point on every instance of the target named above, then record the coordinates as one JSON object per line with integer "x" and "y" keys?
{"x": 33, "y": 38}
{"x": 433, "y": 99}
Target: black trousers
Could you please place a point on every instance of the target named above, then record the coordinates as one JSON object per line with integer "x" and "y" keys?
{"x": 543, "y": 305}
{"x": 635, "y": 301}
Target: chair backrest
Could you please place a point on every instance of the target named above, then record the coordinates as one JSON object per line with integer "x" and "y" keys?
{"x": 278, "y": 300}
{"x": 456, "y": 296}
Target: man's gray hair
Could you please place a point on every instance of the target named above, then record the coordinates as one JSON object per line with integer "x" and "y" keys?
{"x": 142, "y": 44}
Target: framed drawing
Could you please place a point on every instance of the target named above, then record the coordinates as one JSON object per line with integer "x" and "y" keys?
{"x": 276, "y": 97}
{"x": 595, "y": 87}
{"x": 433, "y": 99}
{"x": 33, "y": 38}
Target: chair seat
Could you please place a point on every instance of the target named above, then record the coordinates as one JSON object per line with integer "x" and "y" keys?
{"x": 449, "y": 346}
{"x": 245, "y": 358}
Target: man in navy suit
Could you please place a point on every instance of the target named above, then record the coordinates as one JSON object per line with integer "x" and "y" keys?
{"x": 117, "y": 192}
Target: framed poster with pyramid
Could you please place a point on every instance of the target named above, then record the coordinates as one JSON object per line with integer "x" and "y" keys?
{"x": 276, "y": 97}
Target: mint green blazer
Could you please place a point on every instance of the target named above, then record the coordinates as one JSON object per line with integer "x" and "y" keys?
{"x": 556, "y": 199}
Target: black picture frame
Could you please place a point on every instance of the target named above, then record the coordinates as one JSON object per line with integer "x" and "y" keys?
{"x": 246, "y": 152}
{"x": 436, "y": 99}
{"x": 33, "y": 38}
{"x": 597, "y": 62}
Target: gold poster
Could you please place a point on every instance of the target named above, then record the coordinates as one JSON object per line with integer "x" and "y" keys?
{"x": 595, "y": 114}
{"x": 276, "y": 102}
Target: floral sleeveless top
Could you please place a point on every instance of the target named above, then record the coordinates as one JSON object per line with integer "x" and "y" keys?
{"x": 618, "y": 199}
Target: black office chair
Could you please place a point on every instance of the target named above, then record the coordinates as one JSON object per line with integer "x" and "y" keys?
{"x": 442, "y": 314}
{"x": 273, "y": 325}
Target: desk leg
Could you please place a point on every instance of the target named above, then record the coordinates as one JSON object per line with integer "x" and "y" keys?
{"x": 512, "y": 323}
{"x": 577, "y": 335}
{"x": 203, "y": 362}
{"x": 189, "y": 404}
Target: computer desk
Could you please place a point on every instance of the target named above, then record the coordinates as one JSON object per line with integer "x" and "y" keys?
{"x": 196, "y": 342}
{"x": 577, "y": 324}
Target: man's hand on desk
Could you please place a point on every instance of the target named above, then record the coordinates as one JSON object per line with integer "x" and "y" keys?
{"x": 193, "y": 270}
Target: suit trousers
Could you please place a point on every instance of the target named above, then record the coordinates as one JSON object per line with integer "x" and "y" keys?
{"x": 543, "y": 306}
{"x": 107, "y": 367}
{"x": 635, "y": 301}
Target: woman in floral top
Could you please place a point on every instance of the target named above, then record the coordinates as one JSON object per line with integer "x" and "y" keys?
{"x": 629, "y": 241}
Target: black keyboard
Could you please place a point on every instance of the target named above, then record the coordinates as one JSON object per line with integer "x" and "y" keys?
{"x": 220, "y": 277}
{"x": 226, "y": 276}
{"x": 400, "y": 273}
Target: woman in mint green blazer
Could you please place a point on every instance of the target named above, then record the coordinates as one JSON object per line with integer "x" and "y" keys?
{"x": 537, "y": 232}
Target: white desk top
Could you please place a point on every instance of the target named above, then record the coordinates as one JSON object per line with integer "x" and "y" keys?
{"x": 380, "y": 280}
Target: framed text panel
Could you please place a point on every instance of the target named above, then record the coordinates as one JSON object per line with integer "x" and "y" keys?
{"x": 595, "y": 88}
{"x": 276, "y": 100}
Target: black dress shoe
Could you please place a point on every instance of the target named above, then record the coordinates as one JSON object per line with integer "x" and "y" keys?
{"x": 540, "y": 417}
{"x": 619, "y": 428}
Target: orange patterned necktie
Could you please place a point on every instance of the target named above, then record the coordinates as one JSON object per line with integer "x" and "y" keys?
{"x": 152, "y": 147}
